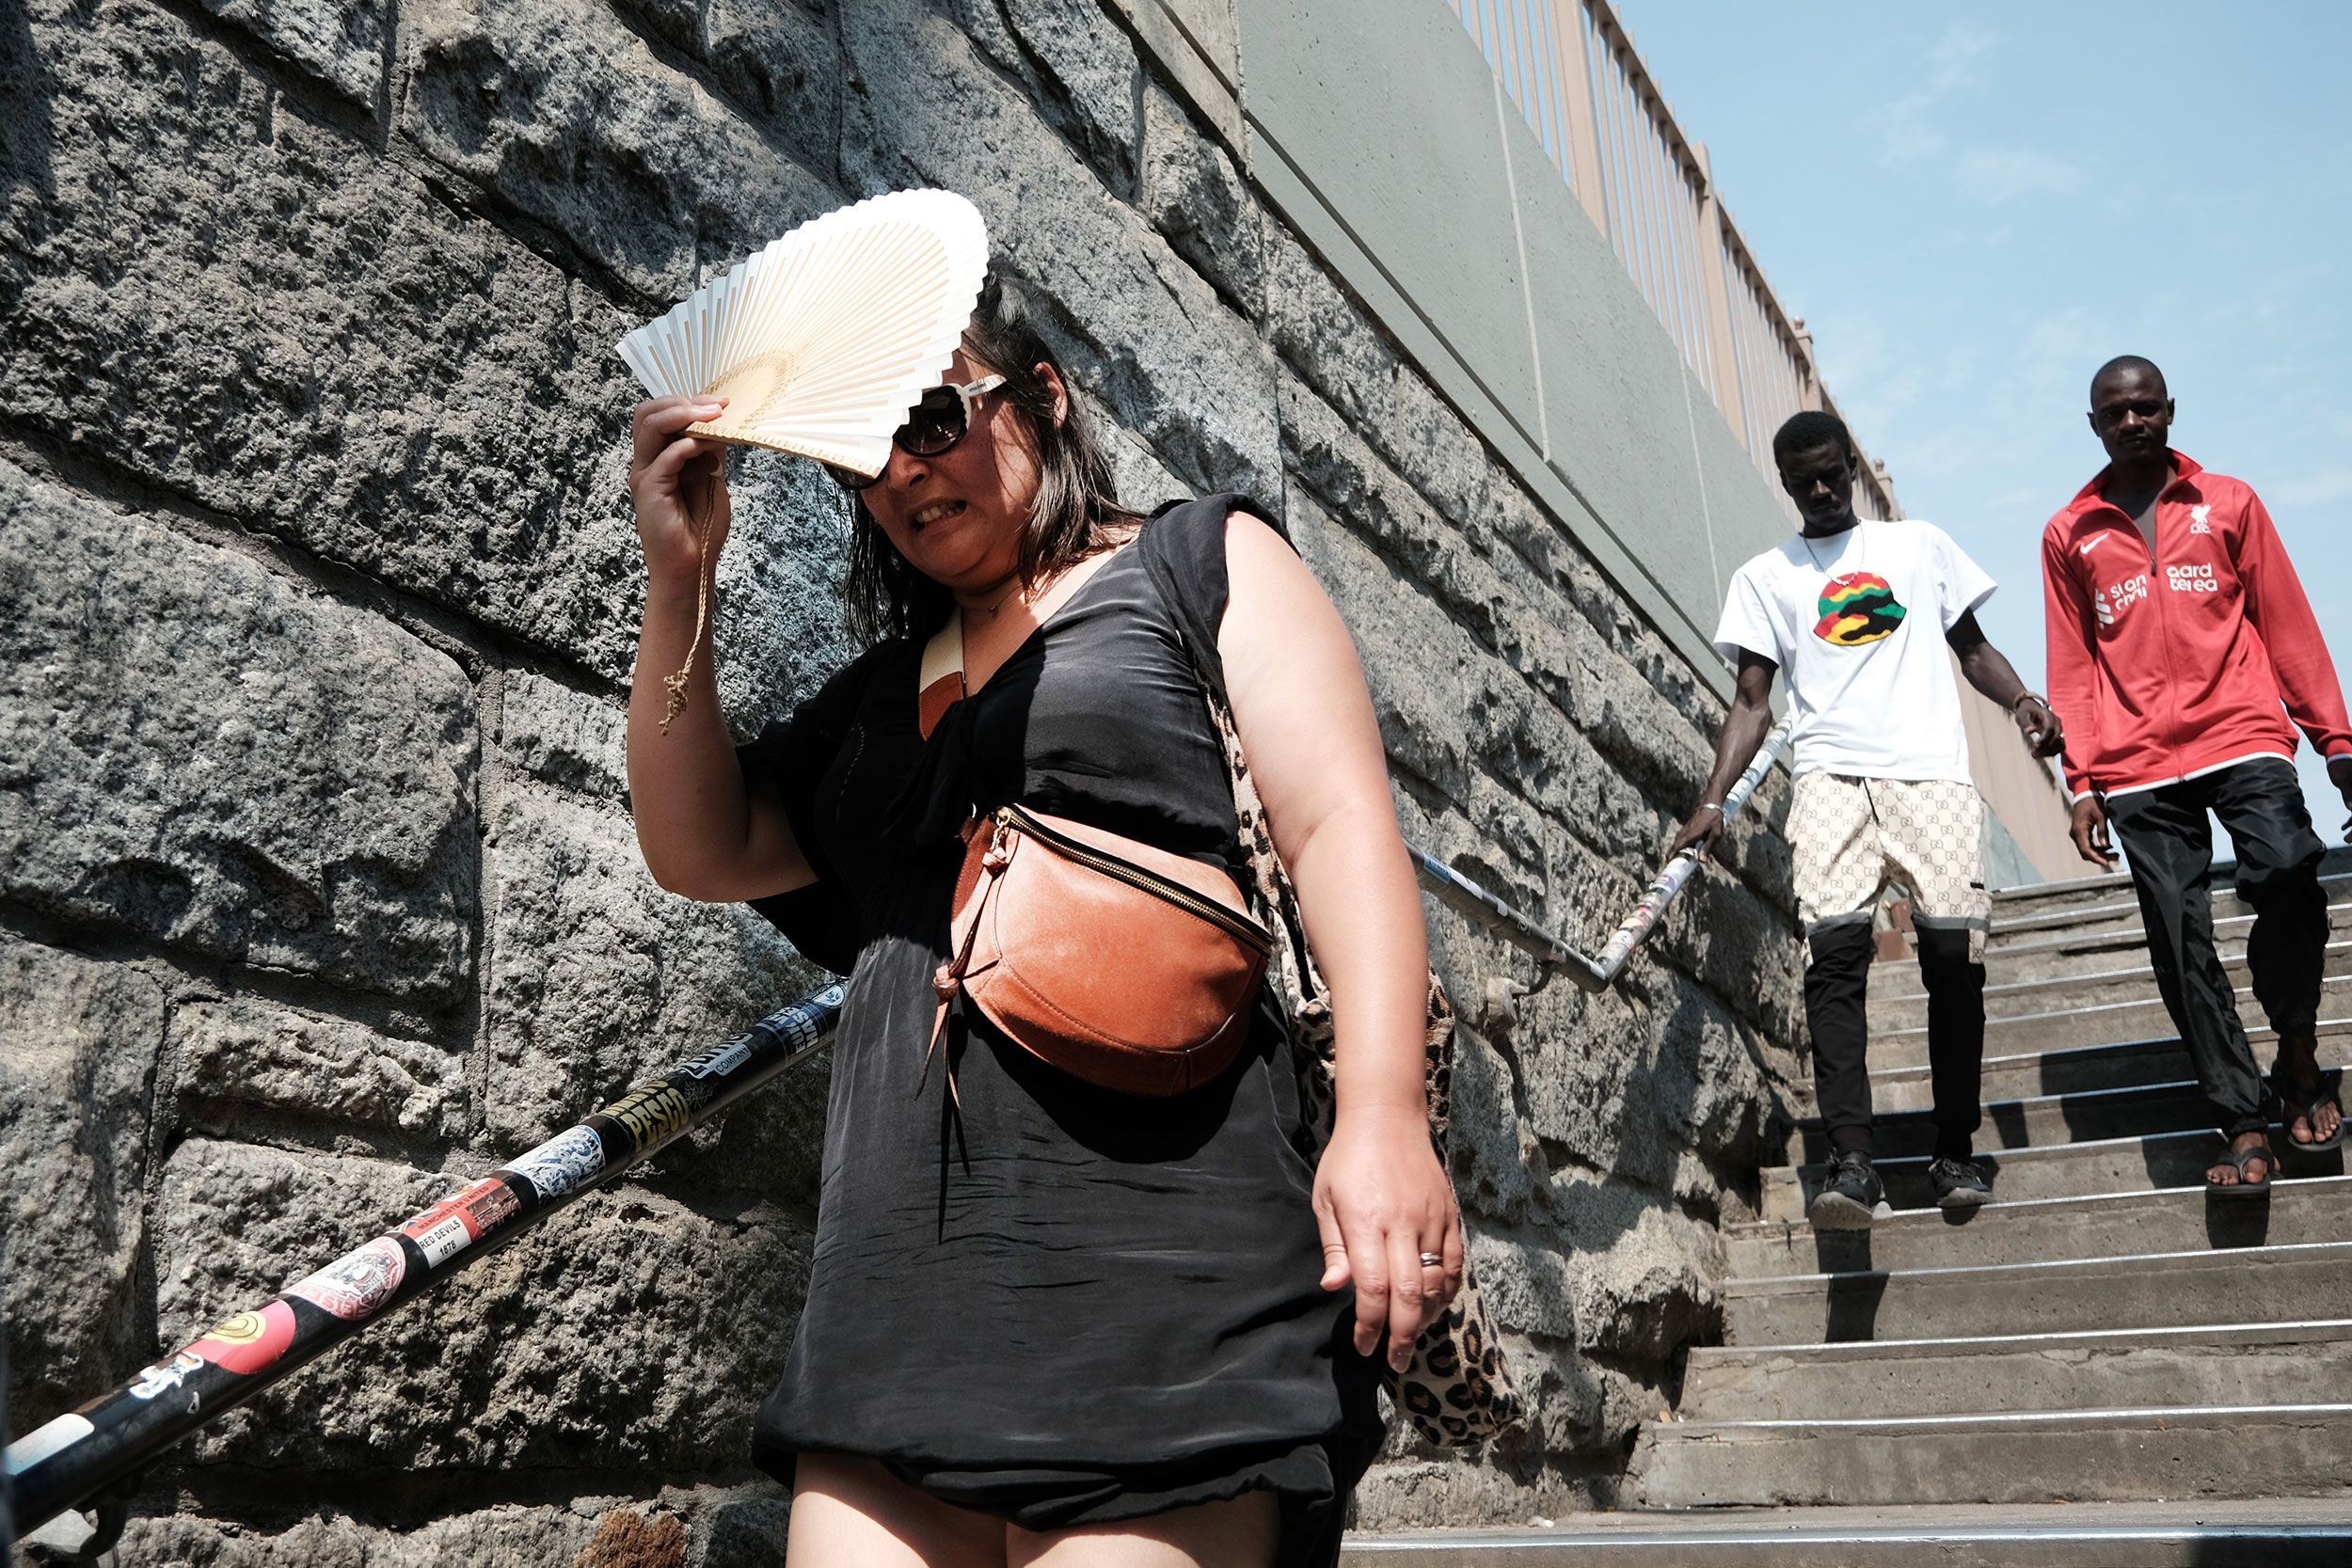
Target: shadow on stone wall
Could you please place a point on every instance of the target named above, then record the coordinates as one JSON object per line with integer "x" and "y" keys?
{"x": 24, "y": 124}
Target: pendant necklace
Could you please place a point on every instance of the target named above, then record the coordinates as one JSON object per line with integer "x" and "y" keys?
{"x": 989, "y": 610}
{"x": 1807, "y": 540}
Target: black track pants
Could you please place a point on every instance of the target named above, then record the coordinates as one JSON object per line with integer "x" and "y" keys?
{"x": 2169, "y": 839}
{"x": 1836, "y": 983}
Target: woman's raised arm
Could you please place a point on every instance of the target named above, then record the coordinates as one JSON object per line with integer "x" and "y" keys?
{"x": 1306, "y": 723}
{"x": 701, "y": 833}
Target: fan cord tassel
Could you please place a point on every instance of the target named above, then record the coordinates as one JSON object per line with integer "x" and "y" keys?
{"x": 676, "y": 684}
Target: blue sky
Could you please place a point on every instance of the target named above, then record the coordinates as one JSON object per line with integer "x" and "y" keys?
{"x": 1973, "y": 207}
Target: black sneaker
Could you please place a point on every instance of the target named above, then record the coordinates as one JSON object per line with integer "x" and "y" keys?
{"x": 1957, "y": 1183}
{"x": 1851, "y": 1197}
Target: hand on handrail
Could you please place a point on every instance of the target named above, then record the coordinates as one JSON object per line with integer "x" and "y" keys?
{"x": 1700, "y": 832}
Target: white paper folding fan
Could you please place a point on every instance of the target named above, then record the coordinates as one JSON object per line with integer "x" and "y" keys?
{"x": 823, "y": 342}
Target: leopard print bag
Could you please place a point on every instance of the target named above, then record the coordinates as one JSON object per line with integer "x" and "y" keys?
{"x": 1457, "y": 1390}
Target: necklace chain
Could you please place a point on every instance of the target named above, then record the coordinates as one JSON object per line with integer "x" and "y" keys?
{"x": 1817, "y": 562}
{"x": 989, "y": 609}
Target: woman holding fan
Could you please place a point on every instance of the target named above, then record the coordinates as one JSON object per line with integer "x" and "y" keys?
{"x": 1049, "y": 1321}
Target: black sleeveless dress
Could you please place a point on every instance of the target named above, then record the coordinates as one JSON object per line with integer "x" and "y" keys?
{"x": 1058, "y": 1303}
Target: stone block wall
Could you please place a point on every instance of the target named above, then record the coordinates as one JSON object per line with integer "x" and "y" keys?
{"x": 318, "y": 895}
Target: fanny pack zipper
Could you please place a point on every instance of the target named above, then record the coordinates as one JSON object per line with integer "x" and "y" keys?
{"x": 1241, "y": 927}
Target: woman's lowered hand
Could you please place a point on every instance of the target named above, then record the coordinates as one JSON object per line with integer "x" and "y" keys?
{"x": 1382, "y": 1202}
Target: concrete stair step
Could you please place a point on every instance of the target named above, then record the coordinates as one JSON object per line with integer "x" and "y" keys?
{"x": 2036, "y": 1456}
{"x": 2309, "y": 1282}
{"x": 2108, "y": 975}
{"x": 2120, "y": 913}
{"x": 2050, "y": 1230}
{"x": 2068, "y": 899}
{"x": 2028, "y": 916}
{"x": 2142, "y": 1163}
{"x": 2127, "y": 1017}
{"x": 2067, "y": 955}
{"x": 2135, "y": 1027}
{"x": 2013, "y": 908}
{"x": 1904, "y": 1085}
{"x": 2120, "y": 984}
{"x": 2229, "y": 1533}
{"x": 2040, "y": 1121}
{"x": 2105, "y": 1329}
{"x": 2101, "y": 1369}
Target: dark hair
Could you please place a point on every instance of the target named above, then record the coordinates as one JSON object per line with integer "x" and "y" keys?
{"x": 1812, "y": 428}
{"x": 1074, "y": 514}
{"x": 2119, "y": 365}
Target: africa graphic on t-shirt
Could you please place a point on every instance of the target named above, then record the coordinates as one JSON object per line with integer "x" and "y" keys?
{"x": 1857, "y": 608}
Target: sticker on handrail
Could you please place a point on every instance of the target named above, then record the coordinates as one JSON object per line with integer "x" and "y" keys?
{"x": 42, "y": 1442}
{"x": 560, "y": 1164}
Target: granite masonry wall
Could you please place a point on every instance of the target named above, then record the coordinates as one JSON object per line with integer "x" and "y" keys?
{"x": 318, "y": 895}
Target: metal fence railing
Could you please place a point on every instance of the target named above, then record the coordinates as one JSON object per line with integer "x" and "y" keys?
{"x": 1572, "y": 71}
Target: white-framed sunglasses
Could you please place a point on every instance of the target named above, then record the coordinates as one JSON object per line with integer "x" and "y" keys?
{"x": 941, "y": 417}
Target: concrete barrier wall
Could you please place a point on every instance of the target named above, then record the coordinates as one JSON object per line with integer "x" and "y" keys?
{"x": 317, "y": 890}
{"x": 1380, "y": 133}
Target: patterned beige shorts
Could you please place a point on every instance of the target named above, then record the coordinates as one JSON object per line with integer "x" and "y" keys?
{"x": 1850, "y": 835}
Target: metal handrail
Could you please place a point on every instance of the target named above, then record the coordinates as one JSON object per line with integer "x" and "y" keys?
{"x": 1522, "y": 931}
{"x": 80, "y": 1455}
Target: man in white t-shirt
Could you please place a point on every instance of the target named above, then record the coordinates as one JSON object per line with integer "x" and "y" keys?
{"x": 1860, "y": 616}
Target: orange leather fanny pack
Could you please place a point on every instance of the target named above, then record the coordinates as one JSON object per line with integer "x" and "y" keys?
{"x": 1123, "y": 964}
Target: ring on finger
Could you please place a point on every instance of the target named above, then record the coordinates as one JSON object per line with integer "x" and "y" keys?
{"x": 1431, "y": 1260}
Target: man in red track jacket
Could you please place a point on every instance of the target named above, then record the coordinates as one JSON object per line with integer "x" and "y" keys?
{"x": 2181, "y": 644}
